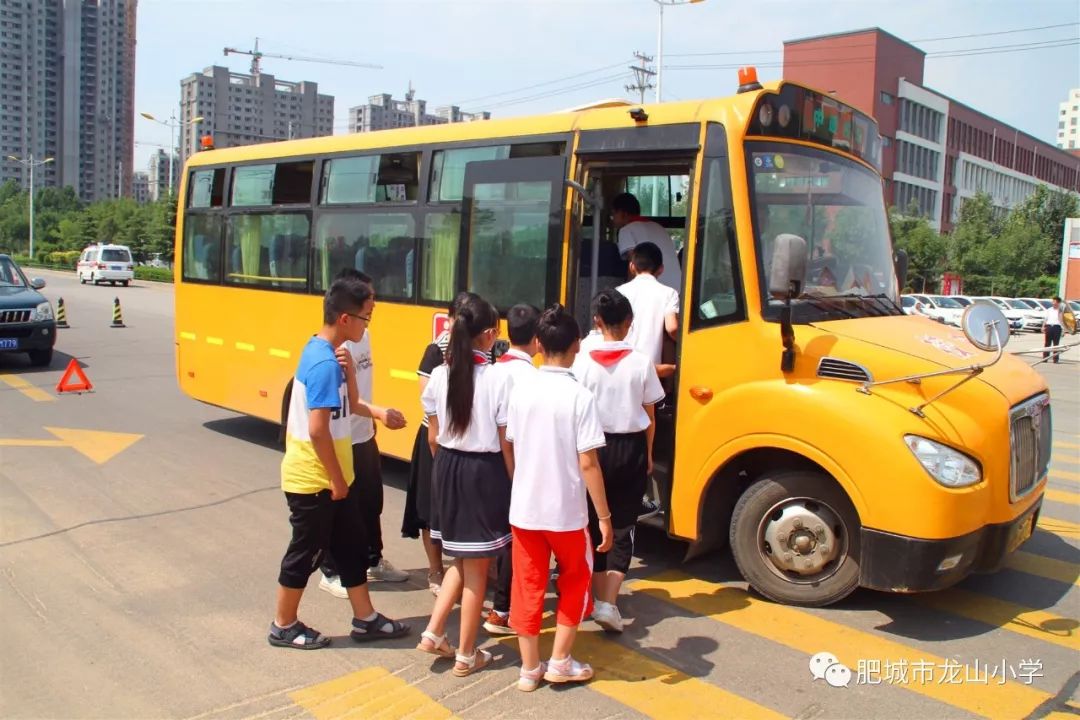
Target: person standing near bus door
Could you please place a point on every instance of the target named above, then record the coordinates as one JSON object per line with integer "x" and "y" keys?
{"x": 517, "y": 364}
{"x": 635, "y": 230}
{"x": 655, "y": 306}
{"x": 317, "y": 477}
{"x": 1052, "y": 323}
{"x": 367, "y": 468}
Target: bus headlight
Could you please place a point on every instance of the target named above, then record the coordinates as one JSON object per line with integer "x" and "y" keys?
{"x": 42, "y": 312}
{"x": 949, "y": 467}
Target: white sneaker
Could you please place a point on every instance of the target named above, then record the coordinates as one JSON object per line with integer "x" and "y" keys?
{"x": 385, "y": 572}
{"x": 332, "y": 585}
{"x": 607, "y": 616}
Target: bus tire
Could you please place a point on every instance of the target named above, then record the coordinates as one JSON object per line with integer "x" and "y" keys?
{"x": 795, "y": 539}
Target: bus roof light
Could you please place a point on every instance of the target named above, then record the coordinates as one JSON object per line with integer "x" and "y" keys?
{"x": 748, "y": 79}
{"x": 639, "y": 115}
{"x": 207, "y": 142}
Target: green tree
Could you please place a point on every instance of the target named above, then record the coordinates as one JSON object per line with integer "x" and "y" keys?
{"x": 926, "y": 248}
{"x": 978, "y": 224}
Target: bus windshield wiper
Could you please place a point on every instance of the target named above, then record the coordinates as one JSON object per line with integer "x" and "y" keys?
{"x": 821, "y": 302}
{"x": 881, "y": 300}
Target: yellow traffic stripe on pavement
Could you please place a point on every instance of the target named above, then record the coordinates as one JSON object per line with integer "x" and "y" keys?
{"x": 1067, "y": 445}
{"x": 1063, "y": 496}
{"x": 28, "y": 389}
{"x": 1056, "y": 474}
{"x": 810, "y": 634}
{"x": 646, "y": 685}
{"x": 1065, "y": 459}
{"x": 372, "y": 693}
{"x": 1062, "y": 528}
{"x": 1060, "y": 570}
{"x": 1037, "y": 624}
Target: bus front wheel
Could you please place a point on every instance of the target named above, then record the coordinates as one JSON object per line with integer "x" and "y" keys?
{"x": 795, "y": 538}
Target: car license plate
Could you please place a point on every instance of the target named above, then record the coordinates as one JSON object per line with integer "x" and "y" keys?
{"x": 115, "y": 267}
{"x": 1021, "y": 533}
{"x": 9, "y": 343}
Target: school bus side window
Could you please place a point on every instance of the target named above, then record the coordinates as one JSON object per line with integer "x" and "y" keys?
{"x": 202, "y": 247}
{"x": 381, "y": 244}
{"x": 439, "y": 256}
{"x": 717, "y": 297}
{"x": 207, "y": 188}
{"x": 286, "y": 183}
{"x": 268, "y": 250}
{"x": 386, "y": 178}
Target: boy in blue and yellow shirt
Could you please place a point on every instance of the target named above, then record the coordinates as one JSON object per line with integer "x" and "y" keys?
{"x": 317, "y": 473}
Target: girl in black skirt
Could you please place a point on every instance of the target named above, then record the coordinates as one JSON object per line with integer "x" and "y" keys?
{"x": 626, "y": 387}
{"x": 466, "y": 402}
{"x": 416, "y": 520}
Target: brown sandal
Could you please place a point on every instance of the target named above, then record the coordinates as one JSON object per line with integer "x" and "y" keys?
{"x": 439, "y": 646}
{"x": 479, "y": 660}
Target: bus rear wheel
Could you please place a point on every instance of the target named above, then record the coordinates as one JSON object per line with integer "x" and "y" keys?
{"x": 795, "y": 538}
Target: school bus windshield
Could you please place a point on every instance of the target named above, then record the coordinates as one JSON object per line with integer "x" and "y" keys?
{"x": 837, "y": 206}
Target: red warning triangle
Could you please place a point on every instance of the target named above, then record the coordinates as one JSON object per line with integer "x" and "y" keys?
{"x": 65, "y": 384}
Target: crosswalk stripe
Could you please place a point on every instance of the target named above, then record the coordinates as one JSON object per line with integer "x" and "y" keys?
{"x": 810, "y": 634}
{"x": 1063, "y": 528}
{"x": 1063, "y": 496}
{"x": 1064, "y": 459}
{"x": 1045, "y": 567}
{"x": 1056, "y": 474}
{"x": 370, "y": 693}
{"x": 649, "y": 686}
{"x": 1037, "y": 624}
{"x": 1067, "y": 445}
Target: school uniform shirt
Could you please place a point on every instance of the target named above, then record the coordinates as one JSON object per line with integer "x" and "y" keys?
{"x": 1054, "y": 316}
{"x": 516, "y": 366}
{"x": 551, "y": 421}
{"x": 652, "y": 302}
{"x": 363, "y": 428}
{"x": 319, "y": 383}
{"x": 491, "y": 392}
{"x": 641, "y": 230}
{"x": 434, "y": 356}
{"x": 622, "y": 380}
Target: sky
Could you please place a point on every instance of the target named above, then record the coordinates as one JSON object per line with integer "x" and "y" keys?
{"x": 521, "y": 57}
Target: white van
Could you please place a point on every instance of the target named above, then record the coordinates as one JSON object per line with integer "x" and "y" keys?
{"x": 106, "y": 263}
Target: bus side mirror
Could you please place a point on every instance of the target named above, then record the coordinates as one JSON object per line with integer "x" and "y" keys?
{"x": 788, "y": 270}
{"x": 900, "y": 262}
{"x": 786, "y": 277}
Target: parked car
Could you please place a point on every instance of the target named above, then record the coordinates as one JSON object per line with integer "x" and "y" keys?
{"x": 106, "y": 263}
{"x": 1036, "y": 315}
{"x": 26, "y": 316}
{"x": 912, "y": 305}
{"x": 1018, "y": 314}
{"x": 941, "y": 308}
{"x": 962, "y": 299}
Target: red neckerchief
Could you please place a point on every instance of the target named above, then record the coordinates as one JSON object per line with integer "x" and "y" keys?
{"x": 507, "y": 357}
{"x": 607, "y": 358}
{"x": 637, "y": 218}
{"x": 480, "y": 358}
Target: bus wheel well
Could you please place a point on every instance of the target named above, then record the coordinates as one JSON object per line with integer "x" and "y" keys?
{"x": 286, "y": 398}
{"x": 730, "y": 482}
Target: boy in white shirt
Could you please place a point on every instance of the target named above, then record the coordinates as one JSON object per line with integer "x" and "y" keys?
{"x": 517, "y": 364}
{"x": 656, "y": 306}
{"x": 626, "y": 388}
{"x": 634, "y": 230}
{"x": 555, "y": 431}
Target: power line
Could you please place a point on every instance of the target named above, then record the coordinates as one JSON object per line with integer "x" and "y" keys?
{"x": 643, "y": 75}
{"x": 560, "y": 91}
{"x": 542, "y": 84}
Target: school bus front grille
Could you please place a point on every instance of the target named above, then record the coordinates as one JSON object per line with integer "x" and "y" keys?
{"x": 1030, "y": 437}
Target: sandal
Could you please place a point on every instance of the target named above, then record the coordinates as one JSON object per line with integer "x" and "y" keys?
{"x": 364, "y": 630}
{"x": 434, "y": 582}
{"x": 567, "y": 670}
{"x": 298, "y": 636}
{"x": 529, "y": 680}
{"x": 439, "y": 646}
{"x": 477, "y": 661}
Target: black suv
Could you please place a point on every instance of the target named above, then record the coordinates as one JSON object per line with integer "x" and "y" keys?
{"x": 26, "y": 317}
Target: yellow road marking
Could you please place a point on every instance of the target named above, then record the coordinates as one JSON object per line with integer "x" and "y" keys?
{"x": 810, "y": 634}
{"x": 403, "y": 375}
{"x": 187, "y": 336}
{"x": 369, "y": 693}
{"x": 1036, "y": 624}
{"x": 1056, "y": 474}
{"x": 1062, "y": 496}
{"x": 28, "y": 389}
{"x": 215, "y": 341}
{"x": 280, "y": 353}
{"x": 1059, "y": 526}
{"x": 1060, "y": 570}
{"x": 97, "y": 445}
{"x": 1065, "y": 459}
{"x": 247, "y": 347}
{"x": 646, "y": 685}
{"x": 1069, "y": 445}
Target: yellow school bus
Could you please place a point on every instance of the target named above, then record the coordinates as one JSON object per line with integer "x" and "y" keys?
{"x": 830, "y": 439}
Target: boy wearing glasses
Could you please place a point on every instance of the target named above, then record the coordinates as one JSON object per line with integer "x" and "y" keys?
{"x": 356, "y": 358}
{"x": 316, "y": 474}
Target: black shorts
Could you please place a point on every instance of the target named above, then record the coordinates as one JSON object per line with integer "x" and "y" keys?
{"x": 618, "y": 558}
{"x": 624, "y": 462}
{"x": 321, "y": 524}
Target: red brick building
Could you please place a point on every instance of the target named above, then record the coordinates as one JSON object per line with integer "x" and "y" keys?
{"x": 936, "y": 151}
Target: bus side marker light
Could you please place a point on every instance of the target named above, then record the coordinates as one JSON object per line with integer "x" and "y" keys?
{"x": 702, "y": 394}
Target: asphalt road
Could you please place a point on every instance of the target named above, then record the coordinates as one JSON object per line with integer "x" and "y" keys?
{"x": 137, "y": 577}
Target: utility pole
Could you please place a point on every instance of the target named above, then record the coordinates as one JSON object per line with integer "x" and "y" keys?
{"x": 643, "y": 74}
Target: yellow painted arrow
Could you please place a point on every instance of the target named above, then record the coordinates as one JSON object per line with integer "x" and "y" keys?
{"x": 97, "y": 445}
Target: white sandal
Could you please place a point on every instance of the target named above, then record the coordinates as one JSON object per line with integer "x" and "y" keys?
{"x": 477, "y": 661}
{"x": 568, "y": 670}
{"x": 439, "y": 646}
{"x": 529, "y": 680}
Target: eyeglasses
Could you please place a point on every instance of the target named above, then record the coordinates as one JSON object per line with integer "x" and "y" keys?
{"x": 365, "y": 318}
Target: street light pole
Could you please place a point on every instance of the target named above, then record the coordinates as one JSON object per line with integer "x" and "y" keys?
{"x": 173, "y": 124}
{"x": 660, "y": 43}
{"x": 31, "y": 163}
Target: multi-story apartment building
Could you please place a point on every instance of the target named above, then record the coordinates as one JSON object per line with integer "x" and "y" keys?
{"x": 383, "y": 112}
{"x": 1068, "y": 134}
{"x": 140, "y": 186}
{"x": 158, "y": 174}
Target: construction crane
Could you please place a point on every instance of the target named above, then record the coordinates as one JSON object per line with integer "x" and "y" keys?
{"x": 257, "y": 55}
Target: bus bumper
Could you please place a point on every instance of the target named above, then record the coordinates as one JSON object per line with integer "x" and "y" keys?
{"x": 896, "y": 563}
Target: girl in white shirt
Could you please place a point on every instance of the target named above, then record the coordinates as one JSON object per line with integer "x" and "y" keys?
{"x": 626, "y": 386}
{"x": 466, "y": 403}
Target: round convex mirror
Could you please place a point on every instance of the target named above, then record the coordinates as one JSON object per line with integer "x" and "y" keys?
{"x": 985, "y": 326}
